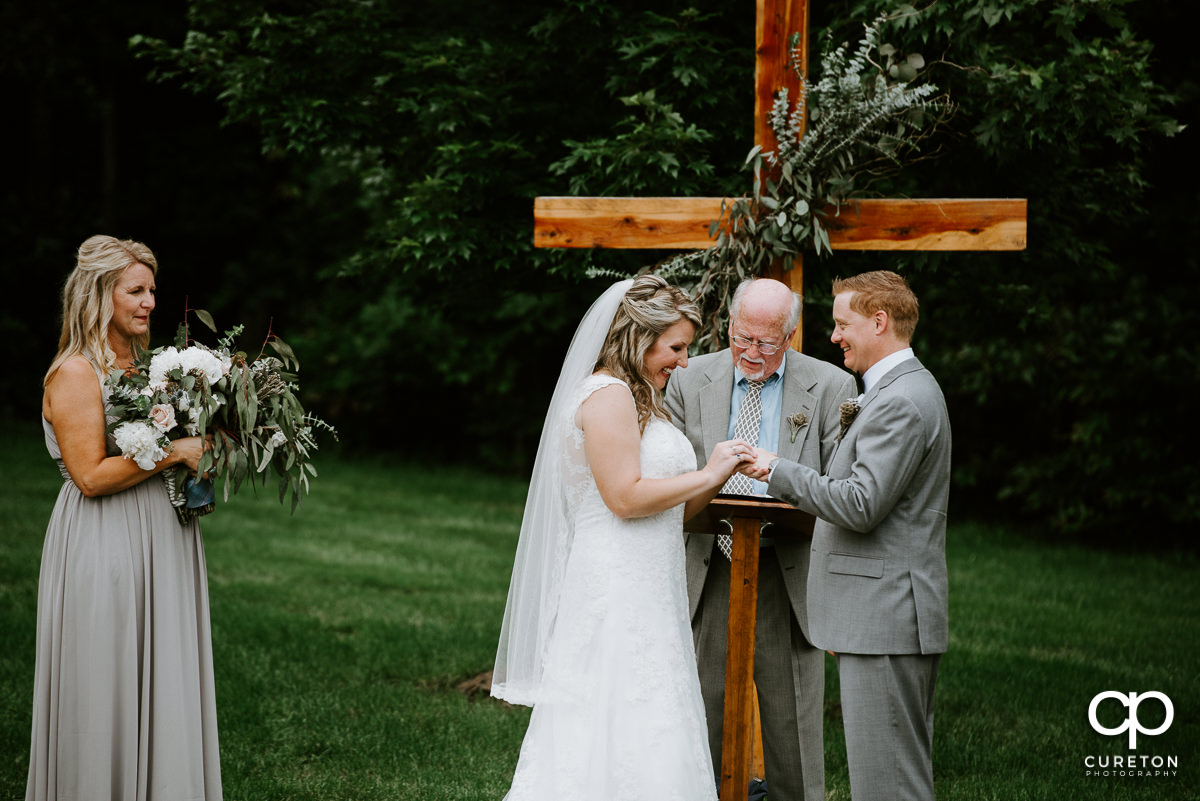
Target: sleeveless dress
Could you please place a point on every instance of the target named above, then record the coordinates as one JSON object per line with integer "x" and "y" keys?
{"x": 621, "y": 717}
{"x": 124, "y": 705}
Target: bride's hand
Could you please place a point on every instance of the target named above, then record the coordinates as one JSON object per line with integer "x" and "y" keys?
{"x": 728, "y": 456}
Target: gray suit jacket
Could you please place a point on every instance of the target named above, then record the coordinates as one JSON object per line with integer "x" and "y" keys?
{"x": 877, "y": 578}
{"x": 698, "y": 399}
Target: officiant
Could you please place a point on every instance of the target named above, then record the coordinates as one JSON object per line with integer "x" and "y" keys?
{"x": 789, "y": 404}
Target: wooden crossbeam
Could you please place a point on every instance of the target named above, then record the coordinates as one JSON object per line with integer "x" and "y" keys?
{"x": 672, "y": 223}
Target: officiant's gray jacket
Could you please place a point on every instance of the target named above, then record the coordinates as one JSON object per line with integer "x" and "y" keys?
{"x": 698, "y": 399}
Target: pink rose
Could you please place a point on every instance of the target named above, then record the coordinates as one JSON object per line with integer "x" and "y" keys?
{"x": 163, "y": 416}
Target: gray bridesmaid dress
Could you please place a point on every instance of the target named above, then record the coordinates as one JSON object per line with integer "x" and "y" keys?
{"x": 123, "y": 705}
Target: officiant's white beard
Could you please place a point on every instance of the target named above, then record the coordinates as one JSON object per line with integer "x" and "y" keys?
{"x": 752, "y": 369}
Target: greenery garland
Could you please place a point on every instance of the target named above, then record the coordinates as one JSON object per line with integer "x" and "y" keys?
{"x": 864, "y": 115}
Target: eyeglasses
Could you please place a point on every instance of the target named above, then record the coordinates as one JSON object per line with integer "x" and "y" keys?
{"x": 765, "y": 348}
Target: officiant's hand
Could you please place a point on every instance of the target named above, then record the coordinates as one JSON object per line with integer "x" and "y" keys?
{"x": 727, "y": 457}
{"x": 760, "y": 467}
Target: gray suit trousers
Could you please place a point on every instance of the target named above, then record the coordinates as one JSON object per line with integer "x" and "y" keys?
{"x": 789, "y": 674}
{"x": 887, "y": 707}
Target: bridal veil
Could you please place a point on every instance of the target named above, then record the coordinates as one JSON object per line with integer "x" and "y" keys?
{"x": 545, "y": 539}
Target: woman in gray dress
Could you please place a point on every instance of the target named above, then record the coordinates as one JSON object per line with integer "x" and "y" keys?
{"x": 123, "y": 705}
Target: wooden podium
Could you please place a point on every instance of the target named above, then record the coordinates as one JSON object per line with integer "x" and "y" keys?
{"x": 746, "y": 519}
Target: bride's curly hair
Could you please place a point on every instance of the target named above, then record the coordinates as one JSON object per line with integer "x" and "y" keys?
{"x": 649, "y": 308}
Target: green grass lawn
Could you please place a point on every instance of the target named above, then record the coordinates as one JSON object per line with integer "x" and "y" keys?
{"x": 342, "y": 633}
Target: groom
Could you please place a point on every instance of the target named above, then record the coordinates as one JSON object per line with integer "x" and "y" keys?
{"x": 794, "y": 399}
{"x": 877, "y": 587}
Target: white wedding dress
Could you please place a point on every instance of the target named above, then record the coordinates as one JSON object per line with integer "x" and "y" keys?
{"x": 620, "y": 717}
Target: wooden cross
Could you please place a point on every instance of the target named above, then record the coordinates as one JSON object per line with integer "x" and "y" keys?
{"x": 667, "y": 223}
{"x": 683, "y": 223}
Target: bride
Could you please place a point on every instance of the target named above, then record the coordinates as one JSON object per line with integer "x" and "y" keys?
{"x": 596, "y": 635}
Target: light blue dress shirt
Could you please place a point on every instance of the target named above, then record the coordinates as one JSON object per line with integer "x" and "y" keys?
{"x": 772, "y": 408}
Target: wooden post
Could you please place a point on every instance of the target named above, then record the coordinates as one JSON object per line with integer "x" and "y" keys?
{"x": 737, "y": 739}
{"x": 775, "y": 24}
{"x": 744, "y": 517}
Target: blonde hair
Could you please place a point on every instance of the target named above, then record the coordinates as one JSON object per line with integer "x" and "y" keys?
{"x": 87, "y": 301}
{"x": 649, "y": 308}
{"x": 882, "y": 290}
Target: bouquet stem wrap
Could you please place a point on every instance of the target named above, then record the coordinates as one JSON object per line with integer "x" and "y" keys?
{"x": 192, "y": 498}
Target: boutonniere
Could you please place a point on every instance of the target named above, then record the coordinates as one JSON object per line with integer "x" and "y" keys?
{"x": 849, "y": 410}
{"x": 797, "y": 421}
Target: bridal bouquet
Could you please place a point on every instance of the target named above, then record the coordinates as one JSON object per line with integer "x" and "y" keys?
{"x": 247, "y": 407}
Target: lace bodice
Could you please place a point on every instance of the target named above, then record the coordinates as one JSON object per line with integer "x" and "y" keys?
{"x": 665, "y": 452}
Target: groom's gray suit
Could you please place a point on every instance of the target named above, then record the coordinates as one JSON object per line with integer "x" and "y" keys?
{"x": 877, "y": 586}
{"x": 789, "y": 671}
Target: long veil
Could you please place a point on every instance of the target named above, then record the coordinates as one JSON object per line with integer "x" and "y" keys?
{"x": 545, "y": 540}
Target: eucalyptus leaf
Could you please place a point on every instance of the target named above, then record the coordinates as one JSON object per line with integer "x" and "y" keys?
{"x": 207, "y": 319}
{"x": 265, "y": 461}
{"x": 284, "y": 350}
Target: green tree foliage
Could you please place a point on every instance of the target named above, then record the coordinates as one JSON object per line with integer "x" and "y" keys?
{"x": 93, "y": 147}
{"x": 441, "y": 122}
{"x": 437, "y": 124}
